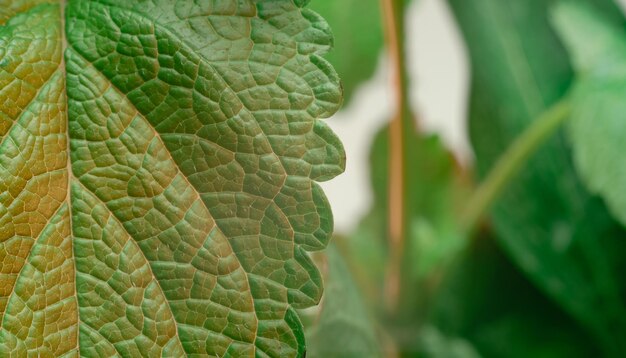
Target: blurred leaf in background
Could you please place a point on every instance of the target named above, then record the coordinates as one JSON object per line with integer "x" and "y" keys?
{"x": 432, "y": 201}
{"x": 597, "y": 128}
{"x": 433, "y": 194}
{"x": 486, "y": 300}
{"x": 545, "y": 282}
{"x": 560, "y": 235}
{"x": 344, "y": 327}
{"x": 433, "y": 343}
{"x": 356, "y": 26}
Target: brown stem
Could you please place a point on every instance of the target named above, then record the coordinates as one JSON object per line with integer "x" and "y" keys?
{"x": 399, "y": 126}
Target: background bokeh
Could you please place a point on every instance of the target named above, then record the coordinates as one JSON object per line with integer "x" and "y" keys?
{"x": 438, "y": 63}
{"x": 541, "y": 276}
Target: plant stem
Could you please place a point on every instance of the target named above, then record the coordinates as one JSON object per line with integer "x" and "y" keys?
{"x": 512, "y": 161}
{"x": 401, "y": 124}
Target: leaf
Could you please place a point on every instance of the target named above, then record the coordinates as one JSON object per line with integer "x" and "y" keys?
{"x": 485, "y": 302}
{"x": 157, "y": 176}
{"x": 434, "y": 191}
{"x": 436, "y": 345}
{"x": 431, "y": 200}
{"x": 343, "y": 328}
{"x": 597, "y": 128}
{"x": 559, "y": 234}
{"x": 358, "y": 37}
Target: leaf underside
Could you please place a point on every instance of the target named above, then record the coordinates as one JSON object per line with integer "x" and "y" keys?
{"x": 158, "y": 162}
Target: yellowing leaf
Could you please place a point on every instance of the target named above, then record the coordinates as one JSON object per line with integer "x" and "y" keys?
{"x": 157, "y": 176}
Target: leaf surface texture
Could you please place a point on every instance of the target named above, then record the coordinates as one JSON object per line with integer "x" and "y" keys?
{"x": 158, "y": 168}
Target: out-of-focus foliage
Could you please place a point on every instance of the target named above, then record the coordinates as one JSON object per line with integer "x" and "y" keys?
{"x": 487, "y": 301}
{"x": 356, "y": 26}
{"x": 598, "y": 125}
{"x": 344, "y": 327}
{"x": 431, "y": 202}
{"x": 540, "y": 278}
{"x": 433, "y": 343}
{"x": 560, "y": 235}
{"x": 433, "y": 194}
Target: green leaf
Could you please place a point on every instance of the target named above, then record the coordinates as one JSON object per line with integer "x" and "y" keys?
{"x": 432, "y": 199}
{"x": 157, "y": 176}
{"x": 358, "y": 37}
{"x": 559, "y": 234}
{"x": 597, "y": 127}
{"x": 343, "y": 328}
{"x": 431, "y": 205}
{"x": 578, "y": 24}
{"x": 485, "y": 302}
{"x": 434, "y": 344}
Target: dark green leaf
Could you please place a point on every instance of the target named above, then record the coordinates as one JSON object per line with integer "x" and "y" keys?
{"x": 486, "y": 301}
{"x": 560, "y": 235}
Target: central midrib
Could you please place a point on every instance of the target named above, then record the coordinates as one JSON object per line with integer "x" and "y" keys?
{"x": 70, "y": 175}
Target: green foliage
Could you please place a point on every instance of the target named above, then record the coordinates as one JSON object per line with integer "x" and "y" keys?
{"x": 356, "y": 26}
{"x": 552, "y": 288}
{"x": 559, "y": 234}
{"x": 157, "y": 176}
{"x": 344, "y": 327}
{"x": 432, "y": 200}
{"x": 488, "y": 302}
{"x": 434, "y": 344}
{"x": 159, "y": 163}
{"x": 597, "y": 128}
